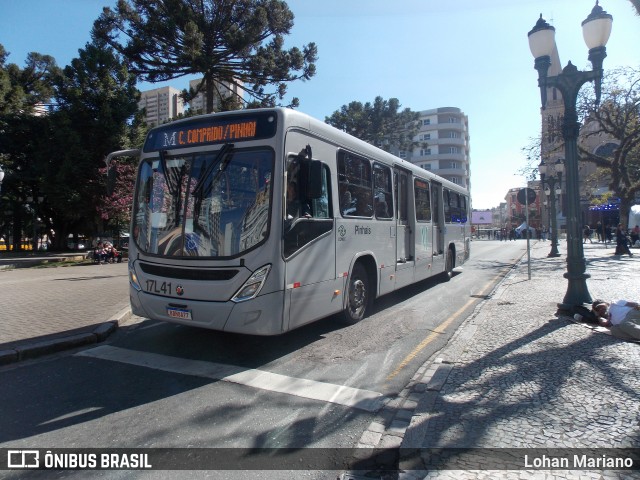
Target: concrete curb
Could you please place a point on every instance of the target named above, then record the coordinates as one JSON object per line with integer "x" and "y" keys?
{"x": 26, "y": 262}
{"x": 55, "y": 345}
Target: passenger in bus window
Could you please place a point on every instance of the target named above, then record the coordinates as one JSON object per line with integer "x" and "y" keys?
{"x": 348, "y": 203}
{"x": 381, "y": 206}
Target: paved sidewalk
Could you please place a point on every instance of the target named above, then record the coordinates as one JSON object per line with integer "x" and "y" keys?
{"x": 44, "y": 310}
{"x": 519, "y": 376}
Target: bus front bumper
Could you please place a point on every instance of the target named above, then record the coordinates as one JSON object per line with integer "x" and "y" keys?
{"x": 259, "y": 316}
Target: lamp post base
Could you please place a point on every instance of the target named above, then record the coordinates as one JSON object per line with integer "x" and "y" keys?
{"x": 554, "y": 248}
{"x": 577, "y": 291}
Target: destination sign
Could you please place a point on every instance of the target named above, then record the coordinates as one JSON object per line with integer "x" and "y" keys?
{"x": 211, "y": 130}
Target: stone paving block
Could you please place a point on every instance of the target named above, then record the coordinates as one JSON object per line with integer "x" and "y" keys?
{"x": 376, "y": 427}
{"x": 390, "y": 441}
{"x": 370, "y": 438}
{"x": 398, "y": 426}
{"x": 440, "y": 377}
{"x": 404, "y": 414}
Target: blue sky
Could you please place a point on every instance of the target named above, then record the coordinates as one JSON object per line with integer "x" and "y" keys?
{"x": 470, "y": 54}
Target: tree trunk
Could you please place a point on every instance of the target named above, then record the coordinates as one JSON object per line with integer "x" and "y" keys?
{"x": 209, "y": 93}
{"x": 17, "y": 228}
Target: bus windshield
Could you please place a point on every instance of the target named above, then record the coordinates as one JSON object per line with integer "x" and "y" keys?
{"x": 214, "y": 204}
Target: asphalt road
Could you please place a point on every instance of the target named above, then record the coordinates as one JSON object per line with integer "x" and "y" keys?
{"x": 160, "y": 385}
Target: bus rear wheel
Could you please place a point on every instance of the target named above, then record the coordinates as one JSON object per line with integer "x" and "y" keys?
{"x": 449, "y": 265}
{"x": 358, "y": 295}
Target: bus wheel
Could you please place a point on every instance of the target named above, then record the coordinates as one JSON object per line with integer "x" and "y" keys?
{"x": 357, "y": 295}
{"x": 449, "y": 265}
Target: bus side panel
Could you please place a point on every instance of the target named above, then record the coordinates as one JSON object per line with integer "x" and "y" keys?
{"x": 315, "y": 298}
{"x": 384, "y": 248}
{"x": 459, "y": 244}
{"x": 424, "y": 250}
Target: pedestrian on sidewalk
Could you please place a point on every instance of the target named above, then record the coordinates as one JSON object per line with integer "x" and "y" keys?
{"x": 621, "y": 316}
{"x": 622, "y": 243}
{"x": 587, "y": 234}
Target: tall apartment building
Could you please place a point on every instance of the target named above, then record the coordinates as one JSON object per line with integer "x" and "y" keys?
{"x": 198, "y": 104}
{"x": 444, "y": 144}
{"x": 161, "y": 105}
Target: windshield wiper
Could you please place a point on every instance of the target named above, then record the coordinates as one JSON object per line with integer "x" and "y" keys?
{"x": 221, "y": 155}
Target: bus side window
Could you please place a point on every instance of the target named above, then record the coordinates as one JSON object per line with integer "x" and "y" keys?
{"x": 446, "y": 201}
{"x": 422, "y": 201}
{"x": 382, "y": 197}
{"x": 455, "y": 207}
{"x": 463, "y": 209}
{"x": 354, "y": 182}
{"x": 306, "y": 229}
{"x": 321, "y": 207}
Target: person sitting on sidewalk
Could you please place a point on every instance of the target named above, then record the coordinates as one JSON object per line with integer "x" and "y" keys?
{"x": 112, "y": 254}
{"x": 622, "y": 317}
{"x": 99, "y": 254}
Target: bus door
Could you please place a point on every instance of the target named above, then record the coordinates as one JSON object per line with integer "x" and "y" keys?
{"x": 308, "y": 241}
{"x": 439, "y": 228}
{"x": 404, "y": 229}
{"x": 424, "y": 231}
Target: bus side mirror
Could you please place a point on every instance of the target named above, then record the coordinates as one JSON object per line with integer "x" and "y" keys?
{"x": 314, "y": 180}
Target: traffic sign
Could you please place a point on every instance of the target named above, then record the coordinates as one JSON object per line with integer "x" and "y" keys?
{"x": 530, "y": 196}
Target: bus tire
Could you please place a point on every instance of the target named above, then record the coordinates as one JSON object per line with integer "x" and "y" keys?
{"x": 358, "y": 295}
{"x": 449, "y": 265}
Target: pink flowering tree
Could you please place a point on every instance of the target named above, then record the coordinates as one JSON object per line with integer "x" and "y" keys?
{"x": 114, "y": 207}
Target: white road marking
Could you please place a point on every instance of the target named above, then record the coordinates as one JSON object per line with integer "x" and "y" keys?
{"x": 273, "y": 382}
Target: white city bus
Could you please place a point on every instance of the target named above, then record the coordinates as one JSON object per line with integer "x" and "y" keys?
{"x": 261, "y": 221}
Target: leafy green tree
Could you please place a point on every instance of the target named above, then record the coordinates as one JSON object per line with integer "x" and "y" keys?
{"x": 228, "y": 42}
{"x": 22, "y": 135}
{"x": 97, "y": 113}
{"x": 21, "y": 89}
{"x": 380, "y": 123}
{"x": 617, "y": 118}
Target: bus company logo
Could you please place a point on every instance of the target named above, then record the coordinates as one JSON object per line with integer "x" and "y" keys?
{"x": 180, "y": 290}
{"x": 23, "y": 459}
{"x": 169, "y": 141}
{"x": 342, "y": 231}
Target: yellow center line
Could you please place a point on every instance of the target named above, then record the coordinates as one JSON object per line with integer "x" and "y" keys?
{"x": 439, "y": 329}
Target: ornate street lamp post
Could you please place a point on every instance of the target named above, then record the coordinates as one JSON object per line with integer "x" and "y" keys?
{"x": 551, "y": 174}
{"x": 596, "y": 30}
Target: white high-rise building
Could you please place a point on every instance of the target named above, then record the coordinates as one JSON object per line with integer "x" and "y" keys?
{"x": 198, "y": 104}
{"x": 444, "y": 144}
{"x": 161, "y": 105}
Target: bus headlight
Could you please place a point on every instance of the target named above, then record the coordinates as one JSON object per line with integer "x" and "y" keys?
{"x": 133, "y": 278}
{"x": 253, "y": 285}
